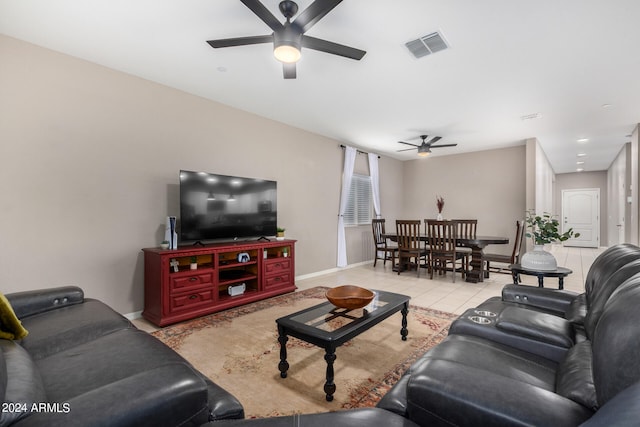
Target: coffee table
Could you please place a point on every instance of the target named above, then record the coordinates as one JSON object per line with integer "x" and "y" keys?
{"x": 329, "y": 327}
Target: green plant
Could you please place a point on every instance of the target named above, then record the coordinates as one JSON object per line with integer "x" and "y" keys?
{"x": 194, "y": 259}
{"x": 543, "y": 229}
{"x": 280, "y": 230}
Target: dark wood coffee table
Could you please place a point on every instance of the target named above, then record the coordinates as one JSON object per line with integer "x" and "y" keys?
{"x": 329, "y": 327}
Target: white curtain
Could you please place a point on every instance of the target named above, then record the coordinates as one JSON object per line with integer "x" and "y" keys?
{"x": 375, "y": 182}
{"x": 347, "y": 175}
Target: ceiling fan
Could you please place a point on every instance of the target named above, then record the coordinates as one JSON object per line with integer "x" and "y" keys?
{"x": 289, "y": 38}
{"x": 424, "y": 149}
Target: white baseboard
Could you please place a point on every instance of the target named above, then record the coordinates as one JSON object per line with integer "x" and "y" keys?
{"x": 331, "y": 270}
{"x": 133, "y": 316}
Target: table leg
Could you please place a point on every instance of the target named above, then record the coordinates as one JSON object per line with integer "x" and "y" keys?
{"x": 404, "y": 331}
{"x": 329, "y": 386}
{"x": 516, "y": 277}
{"x": 283, "y": 366}
{"x": 540, "y": 281}
{"x": 561, "y": 283}
{"x": 475, "y": 275}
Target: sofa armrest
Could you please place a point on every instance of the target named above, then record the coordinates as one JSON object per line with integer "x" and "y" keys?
{"x": 38, "y": 301}
{"x": 557, "y": 301}
{"x": 170, "y": 395}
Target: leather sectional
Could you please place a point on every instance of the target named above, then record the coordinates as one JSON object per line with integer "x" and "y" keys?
{"x": 83, "y": 364}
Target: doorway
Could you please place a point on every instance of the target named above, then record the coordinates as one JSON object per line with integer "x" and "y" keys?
{"x": 581, "y": 211}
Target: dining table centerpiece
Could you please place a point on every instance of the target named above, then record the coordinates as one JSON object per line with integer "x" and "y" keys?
{"x": 543, "y": 229}
{"x": 440, "y": 206}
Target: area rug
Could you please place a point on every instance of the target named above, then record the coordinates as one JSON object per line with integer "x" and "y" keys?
{"x": 238, "y": 349}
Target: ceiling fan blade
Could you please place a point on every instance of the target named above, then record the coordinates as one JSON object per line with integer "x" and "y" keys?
{"x": 240, "y": 41}
{"x": 407, "y": 149}
{"x": 333, "y": 48}
{"x": 408, "y": 143}
{"x": 315, "y": 12}
{"x": 435, "y": 139}
{"x": 289, "y": 70}
{"x": 263, "y": 13}
{"x": 443, "y": 145}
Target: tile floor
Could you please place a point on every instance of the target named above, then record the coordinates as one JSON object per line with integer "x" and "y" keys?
{"x": 441, "y": 293}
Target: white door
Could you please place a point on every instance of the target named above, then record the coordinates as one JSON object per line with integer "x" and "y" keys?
{"x": 581, "y": 211}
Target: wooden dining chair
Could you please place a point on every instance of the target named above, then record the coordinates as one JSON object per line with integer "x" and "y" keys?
{"x": 388, "y": 251}
{"x": 514, "y": 258}
{"x": 443, "y": 247}
{"x": 465, "y": 229}
{"x": 409, "y": 245}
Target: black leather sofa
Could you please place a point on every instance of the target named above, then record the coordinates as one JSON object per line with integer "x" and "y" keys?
{"x": 83, "y": 364}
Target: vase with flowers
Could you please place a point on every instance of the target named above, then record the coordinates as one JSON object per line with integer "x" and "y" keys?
{"x": 543, "y": 229}
{"x": 439, "y": 205}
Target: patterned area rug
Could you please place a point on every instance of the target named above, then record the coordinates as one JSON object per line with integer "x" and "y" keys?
{"x": 238, "y": 349}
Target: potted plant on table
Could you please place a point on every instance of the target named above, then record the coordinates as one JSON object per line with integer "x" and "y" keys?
{"x": 543, "y": 229}
{"x": 280, "y": 233}
{"x": 194, "y": 263}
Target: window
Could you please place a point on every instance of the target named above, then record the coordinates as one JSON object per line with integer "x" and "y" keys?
{"x": 360, "y": 203}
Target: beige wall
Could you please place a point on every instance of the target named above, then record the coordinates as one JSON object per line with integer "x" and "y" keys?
{"x": 487, "y": 185}
{"x": 90, "y": 160}
{"x": 617, "y": 190}
{"x": 584, "y": 180}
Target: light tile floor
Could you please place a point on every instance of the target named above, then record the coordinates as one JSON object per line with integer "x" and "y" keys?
{"x": 441, "y": 293}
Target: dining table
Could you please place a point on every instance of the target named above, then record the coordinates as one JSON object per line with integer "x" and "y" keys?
{"x": 477, "y": 244}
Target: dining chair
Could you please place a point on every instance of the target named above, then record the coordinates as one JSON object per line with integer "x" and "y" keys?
{"x": 409, "y": 245}
{"x": 514, "y": 258}
{"x": 381, "y": 245}
{"x": 465, "y": 229}
{"x": 442, "y": 246}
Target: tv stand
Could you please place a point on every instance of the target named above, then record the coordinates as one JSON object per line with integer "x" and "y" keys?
{"x": 175, "y": 291}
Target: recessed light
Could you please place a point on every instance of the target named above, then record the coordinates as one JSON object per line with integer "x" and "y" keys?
{"x": 222, "y": 69}
{"x": 579, "y": 170}
{"x": 531, "y": 116}
{"x": 606, "y": 105}
{"x": 581, "y": 154}
{"x": 579, "y": 163}
{"x": 583, "y": 139}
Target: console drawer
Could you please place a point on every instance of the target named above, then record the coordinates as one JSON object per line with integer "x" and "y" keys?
{"x": 276, "y": 266}
{"x": 191, "y": 300}
{"x": 277, "y": 280}
{"x": 190, "y": 282}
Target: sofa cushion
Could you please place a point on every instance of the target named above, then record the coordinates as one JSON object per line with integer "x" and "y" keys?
{"x": 58, "y": 330}
{"x": 10, "y": 326}
{"x": 577, "y": 310}
{"x": 575, "y": 376}
{"x": 22, "y": 383}
{"x": 102, "y": 361}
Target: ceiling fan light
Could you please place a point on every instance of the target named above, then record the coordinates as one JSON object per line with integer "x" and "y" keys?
{"x": 286, "y": 53}
{"x": 424, "y": 151}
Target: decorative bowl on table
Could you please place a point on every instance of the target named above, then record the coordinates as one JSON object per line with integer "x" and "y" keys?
{"x": 349, "y": 296}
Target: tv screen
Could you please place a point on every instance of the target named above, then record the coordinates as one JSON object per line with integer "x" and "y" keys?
{"x": 221, "y": 207}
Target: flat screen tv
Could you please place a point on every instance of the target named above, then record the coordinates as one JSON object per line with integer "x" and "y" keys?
{"x": 221, "y": 207}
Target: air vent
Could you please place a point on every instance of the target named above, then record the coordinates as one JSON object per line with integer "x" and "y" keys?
{"x": 426, "y": 45}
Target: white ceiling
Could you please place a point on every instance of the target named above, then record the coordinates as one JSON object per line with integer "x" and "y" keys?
{"x": 508, "y": 58}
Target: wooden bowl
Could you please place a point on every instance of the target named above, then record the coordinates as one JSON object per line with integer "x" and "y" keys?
{"x": 349, "y": 296}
